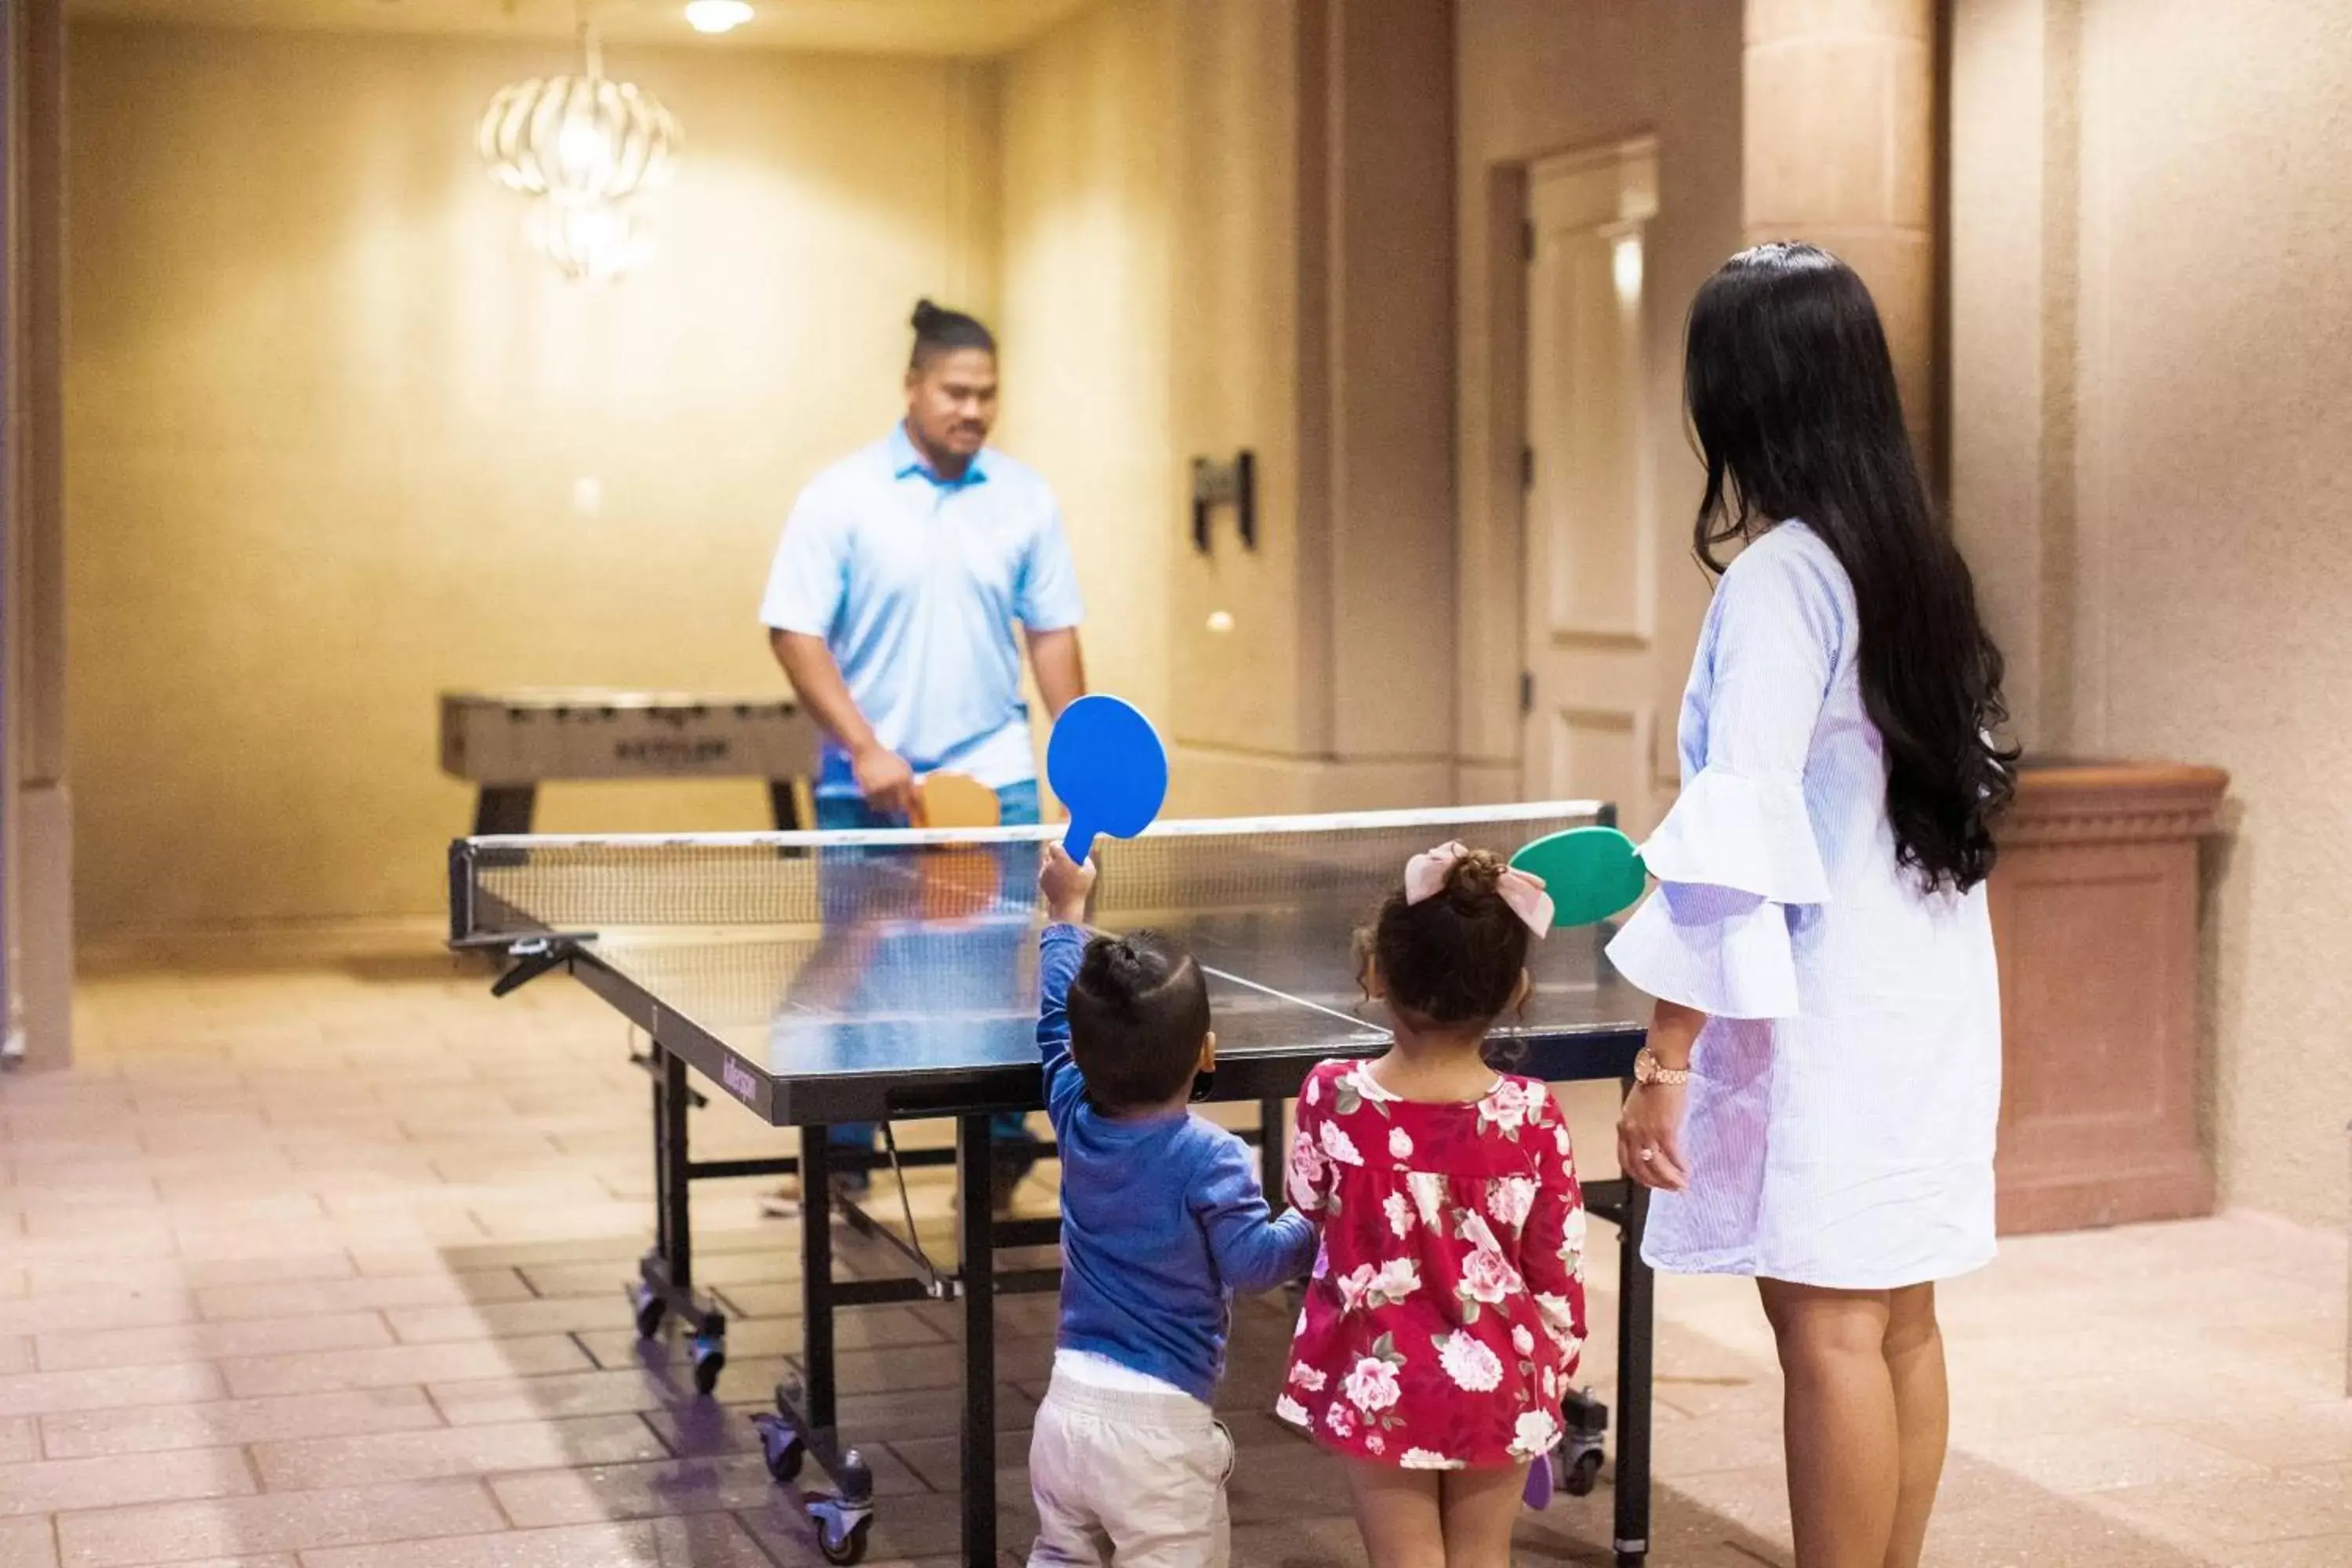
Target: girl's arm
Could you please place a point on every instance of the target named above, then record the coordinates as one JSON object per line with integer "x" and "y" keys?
{"x": 1552, "y": 1250}
{"x": 1310, "y": 1177}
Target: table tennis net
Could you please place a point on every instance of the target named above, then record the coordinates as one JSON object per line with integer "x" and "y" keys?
{"x": 1343, "y": 861}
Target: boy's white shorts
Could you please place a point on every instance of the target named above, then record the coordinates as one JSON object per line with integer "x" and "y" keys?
{"x": 1132, "y": 1478}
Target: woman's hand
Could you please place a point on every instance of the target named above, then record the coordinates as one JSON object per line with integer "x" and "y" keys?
{"x": 1065, "y": 884}
{"x": 1650, "y": 1125}
{"x": 1649, "y": 1135}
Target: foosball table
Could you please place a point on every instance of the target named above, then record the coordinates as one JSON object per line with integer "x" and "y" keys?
{"x": 508, "y": 743}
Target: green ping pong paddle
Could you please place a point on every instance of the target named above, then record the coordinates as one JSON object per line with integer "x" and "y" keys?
{"x": 1592, "y": 873}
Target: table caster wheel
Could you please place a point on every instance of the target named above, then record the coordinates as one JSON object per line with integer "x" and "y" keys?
{"x": 709, "y": 1360}
{"x": 841, "y": 1529}
{"x": 649, "y": 1308}
{"x": 781, "y": 1447}
{"x": 1580, "y": 1453}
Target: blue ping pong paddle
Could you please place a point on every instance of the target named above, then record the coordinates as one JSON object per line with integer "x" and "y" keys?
{"x": 1592, "y": 873}
{"x": 1106, "y": 764}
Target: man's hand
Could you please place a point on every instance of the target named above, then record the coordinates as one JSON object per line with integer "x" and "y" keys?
{"x": 885, "y": 780}
{"x": 1065, "y": 885}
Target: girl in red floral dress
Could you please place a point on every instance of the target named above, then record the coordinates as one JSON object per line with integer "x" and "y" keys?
{"x": 1447, "y": 1308}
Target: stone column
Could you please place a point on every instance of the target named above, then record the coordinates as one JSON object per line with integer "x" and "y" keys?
{"x": 36, "y": 859}
{"x": 1839, "y": 149}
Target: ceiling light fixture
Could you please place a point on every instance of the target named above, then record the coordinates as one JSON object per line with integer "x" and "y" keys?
{"x": 717, "y": 15}
{"x": 583, "y": 148}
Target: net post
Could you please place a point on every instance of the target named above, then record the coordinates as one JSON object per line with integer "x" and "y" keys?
{"x": 461, "y": 890}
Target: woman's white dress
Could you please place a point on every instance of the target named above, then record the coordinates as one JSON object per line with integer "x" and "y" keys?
{"x": 1846, "y": 1088}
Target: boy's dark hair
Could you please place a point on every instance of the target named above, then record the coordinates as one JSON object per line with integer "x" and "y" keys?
{"x": 1454, "y": 958}
{"x": 942, "y": 332}
{"x": 1139, "y": 1011}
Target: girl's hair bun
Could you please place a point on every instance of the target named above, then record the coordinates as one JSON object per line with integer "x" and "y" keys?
{"x": 1475, "y": 875}
{"x": 927, "y": 316}
{"x": 1454, "y": 958}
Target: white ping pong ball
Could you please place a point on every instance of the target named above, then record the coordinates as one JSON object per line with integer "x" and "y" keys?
{"x": 1220, "y": 622}
{"x": 587, "y": 496}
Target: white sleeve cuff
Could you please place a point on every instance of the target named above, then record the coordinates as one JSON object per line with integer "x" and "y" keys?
{"x": 1722, "y": 951}
{"x": 1748, "y": 835}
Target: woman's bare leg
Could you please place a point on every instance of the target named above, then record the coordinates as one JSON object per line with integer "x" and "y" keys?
{"x": 1479, "y": 1509}
{"x": 1397, "y": 1515}
{"x": 1915, "y": 1360}
{"x": 1839, "y": 1422}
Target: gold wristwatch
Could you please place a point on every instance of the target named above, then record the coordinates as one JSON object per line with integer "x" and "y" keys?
{"x": 1647, "y": 1069}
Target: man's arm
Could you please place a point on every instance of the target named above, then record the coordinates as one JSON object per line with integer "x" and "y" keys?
{"x": 887, "y": 783}
{"x": 1061, "y": 668}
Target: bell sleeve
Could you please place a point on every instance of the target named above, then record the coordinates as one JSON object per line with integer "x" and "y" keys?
{"x": 1736, "y": 854}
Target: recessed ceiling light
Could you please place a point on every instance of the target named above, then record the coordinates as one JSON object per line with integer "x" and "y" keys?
{"x": 717, "y": 15}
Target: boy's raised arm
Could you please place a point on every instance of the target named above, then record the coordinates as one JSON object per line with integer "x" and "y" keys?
{"x": 1059, "y": 951}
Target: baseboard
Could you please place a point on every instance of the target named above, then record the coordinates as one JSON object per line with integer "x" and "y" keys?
{"x": 277, "y": 945}
{"x": 2028, "y": 1203}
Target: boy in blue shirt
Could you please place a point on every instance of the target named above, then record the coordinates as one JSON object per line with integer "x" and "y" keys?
{"x": 1162, "y": 1220}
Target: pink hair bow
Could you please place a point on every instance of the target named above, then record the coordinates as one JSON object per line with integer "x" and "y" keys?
{"x": 1425, "y": 877}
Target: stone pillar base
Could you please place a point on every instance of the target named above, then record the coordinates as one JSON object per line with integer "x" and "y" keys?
{"x": 2094, "y": 909}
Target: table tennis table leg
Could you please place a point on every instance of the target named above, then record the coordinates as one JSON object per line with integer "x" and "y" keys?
{"x": 665, "y": 1284}
{"x": 1636, "y": 1318}
{"x": 976, "y": 1243}
{"x": 674, "y": 1223}
{"x": 817, "y": 1389}
{"x": 1270, "y": 1161}
{"x": 783, "y": 806}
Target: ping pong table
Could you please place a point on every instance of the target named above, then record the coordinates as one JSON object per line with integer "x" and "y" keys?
{"x": 870, "y": 977}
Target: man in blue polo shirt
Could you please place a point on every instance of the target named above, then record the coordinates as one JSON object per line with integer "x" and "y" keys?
{"x": 891, "y": 607}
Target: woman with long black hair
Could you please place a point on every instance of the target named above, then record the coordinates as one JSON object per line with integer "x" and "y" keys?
{"x": 1816, "y": 1105}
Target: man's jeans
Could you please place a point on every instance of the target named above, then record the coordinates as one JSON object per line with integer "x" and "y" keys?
{"x": 1016, "y": 805}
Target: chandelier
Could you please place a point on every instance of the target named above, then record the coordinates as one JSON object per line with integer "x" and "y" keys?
{"x": 584, "y": 149}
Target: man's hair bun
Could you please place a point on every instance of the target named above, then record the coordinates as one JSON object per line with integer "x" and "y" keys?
{"x": 939, "y": 331}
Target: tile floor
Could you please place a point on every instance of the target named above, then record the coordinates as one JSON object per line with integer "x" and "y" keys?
{"x": 319, "y": 1269}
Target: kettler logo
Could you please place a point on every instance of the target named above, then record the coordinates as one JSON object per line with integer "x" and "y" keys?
{"x": 685, "y": 752}
{"x": 739, "y": 1081}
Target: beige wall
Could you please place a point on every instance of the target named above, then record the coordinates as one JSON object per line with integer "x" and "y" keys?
{"x": 1088, "y": 149}
{"x": 327, "y": 414}
{"x": 2152, "y": 395}
{"x": 1539, "y": 76}
{"x": 1227, "y": 226}
{"x": 1238, "y": 711}
{"x": 1315, "y": 328}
